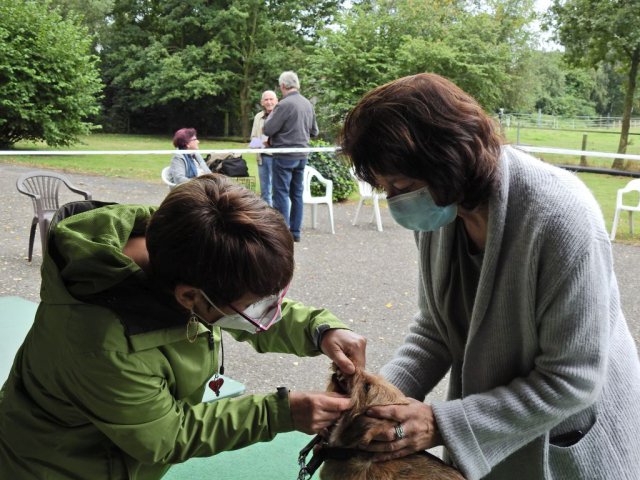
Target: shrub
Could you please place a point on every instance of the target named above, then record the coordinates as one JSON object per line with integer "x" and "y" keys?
{"x": 50, "y": 81}
{"x": 334, "y": 168}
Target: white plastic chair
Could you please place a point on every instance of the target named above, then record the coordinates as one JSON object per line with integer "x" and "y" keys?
{"x": 367, "y": 192}
{"x": 166, "y": 178}
{"x": 309, "y": 174}
{"x": 632, "y": 186}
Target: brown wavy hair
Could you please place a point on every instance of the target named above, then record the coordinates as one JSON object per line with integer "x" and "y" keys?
{"x": 215, "y": 235}
{"x": 425, "y": 127}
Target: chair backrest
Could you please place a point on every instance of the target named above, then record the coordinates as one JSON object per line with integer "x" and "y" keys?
{"x": 307, "y": 197}
{"x": 632, "y": 185}
{"x": 629, "y": 202}
{"x": 166, "y": 178}
{"x": 44, "y": 187}
{"x": 364, "y": 189}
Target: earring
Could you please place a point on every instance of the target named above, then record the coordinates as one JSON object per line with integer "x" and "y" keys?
{"x": 192, "y": 327}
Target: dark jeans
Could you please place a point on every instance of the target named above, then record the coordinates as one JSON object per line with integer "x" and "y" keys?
{"x": 265, "y": 172}
{"x": 288, "y": 176}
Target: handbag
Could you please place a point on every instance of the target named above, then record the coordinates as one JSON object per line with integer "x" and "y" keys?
{"x": 230, "y": 166}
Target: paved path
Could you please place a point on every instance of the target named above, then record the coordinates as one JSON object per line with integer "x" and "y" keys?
{"x": 366, "y": 277}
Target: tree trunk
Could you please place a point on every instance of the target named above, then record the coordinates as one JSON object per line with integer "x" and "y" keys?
{"x": 244, "y": 108}
{"x": 618, "y": 163}
{"x": 247, "y": 74}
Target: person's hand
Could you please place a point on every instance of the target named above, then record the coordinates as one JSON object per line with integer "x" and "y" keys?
{"x": 345, "y": 348}
{"x": 420, "y": 431}
{"x": 314, "y": 412}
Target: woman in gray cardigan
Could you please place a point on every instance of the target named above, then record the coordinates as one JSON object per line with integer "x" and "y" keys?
{"x": 518, "y": 300}
{"x": 185, "y": 166}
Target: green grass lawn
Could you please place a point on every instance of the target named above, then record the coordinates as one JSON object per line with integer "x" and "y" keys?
{"x": 144, "y": 167}
{"x": 148, "y": 167}
{"x": 604, "y": 188}
{"x": 597, "y": 141}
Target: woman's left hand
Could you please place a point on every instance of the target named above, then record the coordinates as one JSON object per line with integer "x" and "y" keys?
{"x": 417, "y": 424}
{"x": 345, "y": 348}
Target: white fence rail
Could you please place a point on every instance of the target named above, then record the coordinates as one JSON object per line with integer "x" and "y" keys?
{"x": 233, "y": 151}
{"x": 585, "y": 153}
{"x": 240, "y": 151}
{"x": 510, "y": 120}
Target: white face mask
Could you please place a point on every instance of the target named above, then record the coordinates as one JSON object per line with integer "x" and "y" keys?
{"x": 258, "y": 317}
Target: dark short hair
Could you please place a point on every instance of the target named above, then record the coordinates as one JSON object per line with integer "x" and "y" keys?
{"x": 425, "y": 127}
{"x": 220, "y": 237}
{"x": 183, "y": 136}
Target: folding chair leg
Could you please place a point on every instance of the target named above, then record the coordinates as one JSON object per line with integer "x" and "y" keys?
{"x": 355, "y": 217}
{"x": 376, "y": 211}
{"x": 32, "y": 236}
{"x": 615, "y": 224}
{"x": 44, "y": 230}
{"x": 333, "y": 230}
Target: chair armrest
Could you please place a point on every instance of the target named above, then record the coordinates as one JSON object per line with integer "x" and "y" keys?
{"x": 34, "y": 196}
{"x": 321, "y": 179}
{"x": 74, "y": 189}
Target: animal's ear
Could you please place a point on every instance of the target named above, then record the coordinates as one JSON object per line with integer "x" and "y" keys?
{"x": 341, "y": 383}
{"x": 335, "y": 384}
{"x": 381, "y": 392}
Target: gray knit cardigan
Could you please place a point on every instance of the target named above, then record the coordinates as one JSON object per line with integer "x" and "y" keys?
{"x": 548, "y": 349}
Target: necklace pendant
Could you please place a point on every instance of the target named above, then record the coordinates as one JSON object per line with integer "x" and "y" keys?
{"x": 216, "y": 385}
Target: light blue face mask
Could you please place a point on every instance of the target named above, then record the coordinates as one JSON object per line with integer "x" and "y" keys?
{"x": 417, "y": 211}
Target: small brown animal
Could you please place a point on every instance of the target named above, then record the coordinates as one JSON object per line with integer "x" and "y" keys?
{"x": 355, "y": 428}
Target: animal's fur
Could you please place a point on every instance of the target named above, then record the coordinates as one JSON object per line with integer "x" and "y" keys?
{"x": 355, "y": 428}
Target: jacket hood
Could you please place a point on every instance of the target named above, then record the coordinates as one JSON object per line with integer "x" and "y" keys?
{"x": 84, "y": 263}
{"x": 84, "y": 251}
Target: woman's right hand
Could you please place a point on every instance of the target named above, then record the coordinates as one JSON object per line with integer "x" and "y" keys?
{"x": 419, "y": 430}
{"x": 314, "y": 412}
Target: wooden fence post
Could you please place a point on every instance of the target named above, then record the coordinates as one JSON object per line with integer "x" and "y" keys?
{"x": 583, "y": 158}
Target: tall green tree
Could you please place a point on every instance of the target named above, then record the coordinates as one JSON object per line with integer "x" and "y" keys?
{"x": 595, "y": 32}
{"x": 49, "y": 80}
{"x": 203, "y": 59}
{"x": 610, "y": 92}
{"x": 93, "y": 14}
{"x": 563, "y": 89}
{"x": 479, "y": 47}
{"x": 352, "y": 57}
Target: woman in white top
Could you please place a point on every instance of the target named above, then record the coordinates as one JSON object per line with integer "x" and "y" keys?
{"x": 185, "y": 166}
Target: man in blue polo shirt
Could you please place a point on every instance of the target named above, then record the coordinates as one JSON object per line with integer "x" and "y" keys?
{"x": 291, "y": 124}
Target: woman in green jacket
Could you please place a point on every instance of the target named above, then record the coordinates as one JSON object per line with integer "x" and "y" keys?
{"x": 108, "y": 383}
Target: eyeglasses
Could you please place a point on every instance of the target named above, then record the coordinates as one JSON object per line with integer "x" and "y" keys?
{"x": 261, "y": 314}
{"x": 265, "y": 312}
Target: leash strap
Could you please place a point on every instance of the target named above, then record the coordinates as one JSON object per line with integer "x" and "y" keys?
{"x": 325, "y": 453}
{"x": 307, "y": 471}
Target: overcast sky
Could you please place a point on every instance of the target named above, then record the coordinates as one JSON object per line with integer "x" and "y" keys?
{"x": 542, "y": 5}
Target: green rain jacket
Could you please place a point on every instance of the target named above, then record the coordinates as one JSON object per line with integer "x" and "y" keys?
{"x": 106, "y": 385}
